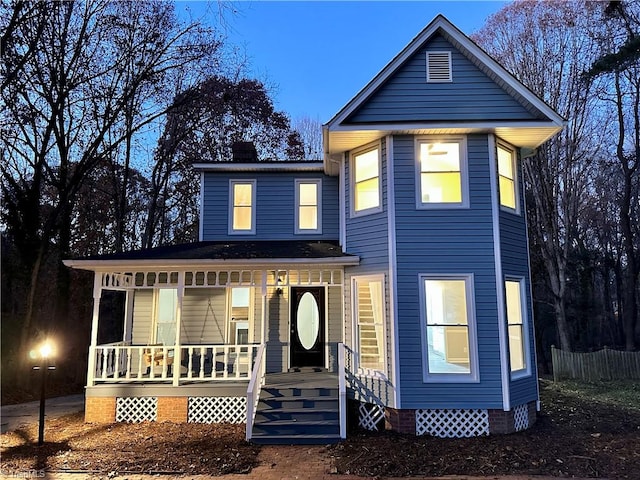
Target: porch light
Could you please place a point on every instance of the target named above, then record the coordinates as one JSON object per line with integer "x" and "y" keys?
{"x": 279, "y": 286}
{"x": 43, "y": 353}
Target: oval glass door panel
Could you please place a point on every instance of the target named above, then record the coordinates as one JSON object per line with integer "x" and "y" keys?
{"x": 308, "y": 317}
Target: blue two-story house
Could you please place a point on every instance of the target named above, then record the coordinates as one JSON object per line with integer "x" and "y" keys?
{"x": 392, "y": 275}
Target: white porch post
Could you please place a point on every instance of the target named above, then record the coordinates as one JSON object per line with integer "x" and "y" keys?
{"x": 177, "y": 353}
{"x": 263, "y": 319}
{"x": 97, "y": 294}
{"x": 127, "y": 335}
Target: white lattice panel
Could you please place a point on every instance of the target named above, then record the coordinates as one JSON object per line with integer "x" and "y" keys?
{"x": 369, "y": 415}
{"x": 521, "y": 417}
{"x": 217, "y": 410}
{"x": 136, "y": 409}
{"x": 452, "y": 423}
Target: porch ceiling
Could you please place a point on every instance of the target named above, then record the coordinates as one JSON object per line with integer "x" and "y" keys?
{"x": 223, "y": 253}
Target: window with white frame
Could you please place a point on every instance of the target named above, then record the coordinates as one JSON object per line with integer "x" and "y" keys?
{"x": 449, "y": 328}
{"x": 166, "y": 311}
{"x": 515, "y": 324}
{"x": 507, "y": 177}
{"x": 441, "y": 172}
{"x": 365, "y": 181}
{"x": 238, "y": 330}
{"x": 242, "y": 206}
{"x": 308, "y": 206}
{"x": 369, "y": 315}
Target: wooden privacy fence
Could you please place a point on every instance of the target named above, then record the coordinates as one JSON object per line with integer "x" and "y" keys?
{"x": 605, "y": 364}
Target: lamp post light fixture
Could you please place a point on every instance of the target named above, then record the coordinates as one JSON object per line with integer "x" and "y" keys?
{"x": 43, "y": 353}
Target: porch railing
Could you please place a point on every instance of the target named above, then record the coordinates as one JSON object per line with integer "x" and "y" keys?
{"x": 253, "y": 391}
{"x": 118, "y": 362}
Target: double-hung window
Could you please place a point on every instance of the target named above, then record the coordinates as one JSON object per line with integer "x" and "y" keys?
{"x": 507, "y": 178}
{"x": 238, "y": 324}
{"x": 516, "y": 325}
{"x": 308, "y": 206}
{"x": 366, "y": 182}
{"x": 449, "y": 338}
{"x": 242, "y": 208}
{"x": 441, "y": 172}
{"x": 369, "y": 314}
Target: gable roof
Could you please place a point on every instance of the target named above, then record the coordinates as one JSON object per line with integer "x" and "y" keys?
{"x": 341, "y": 134}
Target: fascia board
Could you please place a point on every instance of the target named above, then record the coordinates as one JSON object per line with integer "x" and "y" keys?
{"x": 110, "y": 265}
{"x": 260, "y": 167}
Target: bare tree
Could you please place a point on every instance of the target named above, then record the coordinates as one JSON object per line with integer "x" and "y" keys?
{"x": 544, "y": 45}
{"x": 310, "y": 131}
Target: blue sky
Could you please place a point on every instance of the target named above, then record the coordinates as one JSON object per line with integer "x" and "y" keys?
{"x": 319, "y": 54}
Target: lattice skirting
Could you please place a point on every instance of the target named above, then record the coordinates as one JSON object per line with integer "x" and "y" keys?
{"x": 217, "y": 410}
{"x": 136, "y": 409}
{"x": 452, "y": 423}
{"x": 521, "y": 417}
{"x": 370, "y": 416}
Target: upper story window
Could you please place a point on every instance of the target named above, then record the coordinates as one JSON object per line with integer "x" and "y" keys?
{"x": 450, "y": 353}
{"x": 242, "y": 209}
{"x": 441, "y": 173}
{"x": 308, "y": 206}
{"x": 507, "y": 178}
{"x": 366, "y": 196}
{"x": 516, "y": 326}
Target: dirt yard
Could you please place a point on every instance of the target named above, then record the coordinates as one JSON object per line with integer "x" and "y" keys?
{"x": 574, "y": 436}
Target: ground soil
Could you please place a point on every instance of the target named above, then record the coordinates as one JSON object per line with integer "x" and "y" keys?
{"x": 573, "y": 437}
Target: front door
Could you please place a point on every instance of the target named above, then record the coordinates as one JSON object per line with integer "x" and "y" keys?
{"x": 307, "y": 327}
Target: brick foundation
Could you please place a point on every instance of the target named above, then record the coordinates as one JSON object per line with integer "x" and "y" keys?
{"x": 173, "y": 409}
{"x": 100, "y": 410}
{"x": 401, "y": 421}
{"x": 501, "y": 422}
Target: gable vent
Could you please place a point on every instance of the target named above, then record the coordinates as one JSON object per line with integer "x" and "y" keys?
{"x": 439, "y": 67}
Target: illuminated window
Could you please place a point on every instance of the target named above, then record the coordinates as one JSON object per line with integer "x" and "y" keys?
{"x": 239, "y": 317}
{"x": 507, "y": 177}
{"x": 308, "y": 206}
{"x": 515, "y": 325}
{"x": 242, "y": 207}
{"x": 450, "y": 353}
{"x": 365, "y": 174}
{"x": 441, "y": 173}
{"x": 368, "y": 293}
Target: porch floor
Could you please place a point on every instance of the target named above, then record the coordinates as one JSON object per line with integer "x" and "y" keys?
{"x": 301, "y": 379}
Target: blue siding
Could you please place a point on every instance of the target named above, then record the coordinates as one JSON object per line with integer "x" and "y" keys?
{"x": 471, "y": 96}
{"x": 515, "y": 263}
{"x": 275, "y": 214}
{"x": 446, "y": 241}
{"x": 367, "y": 235}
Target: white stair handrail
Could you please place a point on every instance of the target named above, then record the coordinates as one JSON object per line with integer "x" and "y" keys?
{"x": 342, "y": 389}
{"x": 253, "y": 390}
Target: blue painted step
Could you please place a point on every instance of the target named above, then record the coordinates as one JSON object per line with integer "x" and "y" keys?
{"x": 298, "y": 408}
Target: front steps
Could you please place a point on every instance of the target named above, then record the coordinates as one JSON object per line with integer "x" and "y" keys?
{"x": 296, "y": 408}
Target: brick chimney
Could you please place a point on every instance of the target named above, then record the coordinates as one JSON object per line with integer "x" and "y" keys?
{"x": 244, "y": 152}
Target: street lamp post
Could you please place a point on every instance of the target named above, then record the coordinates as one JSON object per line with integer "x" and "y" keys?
{"x": 44, "y": 352}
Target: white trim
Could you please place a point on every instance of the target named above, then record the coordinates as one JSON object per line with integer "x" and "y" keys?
{"x": 354, "y": 321}
{"x": 283, "y": 166}
{"x": 201, "y": 209}
{"x": 374, "y": 146}
{"x": 464, "y": 172}
{"x": 254, "y": 205}
{"x": 452, "y": 127}
{"x": 474, "y": 368}
{"x": 318, "y": 183}
{"x": 497, "y": 255}
{"x": 516, "y": 178}
{"x": 393, "y": 270}
{"x": 342, "y": 206}
{"x": 109, "y": 265}
{"x": 447, "y": 28}
{"x": 524, "y": 372}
